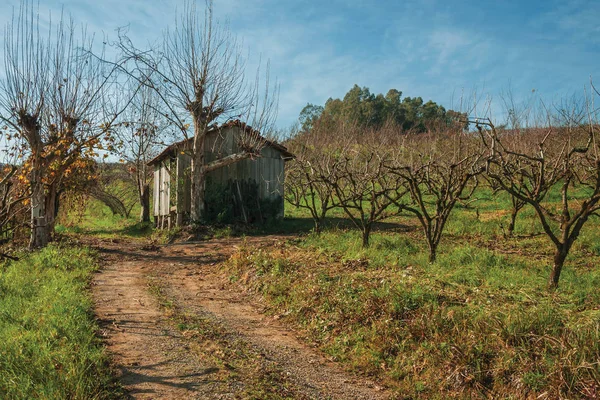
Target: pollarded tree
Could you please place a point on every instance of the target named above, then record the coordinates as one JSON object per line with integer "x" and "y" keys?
{"x": 57, "y": 101}
{"x": 558, "y": 157}
{"x": 200, "y": 75}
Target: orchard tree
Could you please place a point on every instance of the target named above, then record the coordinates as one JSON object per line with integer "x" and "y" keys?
{"x": 516, "y": 206}
{"x": 438, "y": 170}
{"x": 200, "y": 75}
{"x": 306, "y": 183}
{"x": 561, "y": 155}
{"x": 356, "y": 171}
{"x": 58, "y": 102}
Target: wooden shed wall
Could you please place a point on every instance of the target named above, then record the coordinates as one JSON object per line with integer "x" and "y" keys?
{"x": 267, "y": 171}
{"x": 162, "y": 188}
{"x": 156, "y": 191}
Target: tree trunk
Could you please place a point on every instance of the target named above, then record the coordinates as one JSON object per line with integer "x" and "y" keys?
{"x": 43, "y": 213}
{"x": 559, "y": 260}
{"x": 39, "y": 237}
{"x": 432, "y": 251}
{"x": 365, "y": 237}
{"x": 39, "y": 229}
{"x": 145, "y": 203}
{"x": 197, "y": 189}
{"x": 317, "y": 226}
{"x": 432, "y": 254}
{"x": 198, "y": 174}
{"x": 51, "y": 199}
{"x": 513, "y": 218}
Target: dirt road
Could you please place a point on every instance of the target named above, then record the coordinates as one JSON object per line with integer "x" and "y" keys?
{"x": 176, "y": 329}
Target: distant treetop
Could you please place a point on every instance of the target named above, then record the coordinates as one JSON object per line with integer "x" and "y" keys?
{"x": 364, "y": 108}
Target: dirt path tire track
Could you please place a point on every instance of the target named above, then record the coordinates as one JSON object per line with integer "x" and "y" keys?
{"x": 151, "y": 352}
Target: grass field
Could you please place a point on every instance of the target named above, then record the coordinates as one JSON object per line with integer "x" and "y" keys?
{"x": 479, "y": 322}
{"x": 48, "y": 343}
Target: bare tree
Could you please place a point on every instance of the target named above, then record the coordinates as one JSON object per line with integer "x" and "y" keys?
{"x": 356, "y": 170}
{"x": 519, "y": 116}
{"x": 139, "y": 133}
{"x": 438, "y": 170}
{"x": 560, "y": 155}
{"x": 200, "y": 75}
{"x": 306, "y": 184}
{"x": 57, "y": 100}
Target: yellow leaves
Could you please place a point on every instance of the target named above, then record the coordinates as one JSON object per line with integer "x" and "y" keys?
{"x": 22, "y": 177}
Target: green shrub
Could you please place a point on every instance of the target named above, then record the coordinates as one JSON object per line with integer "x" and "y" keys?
{"x": 239, "y": 202}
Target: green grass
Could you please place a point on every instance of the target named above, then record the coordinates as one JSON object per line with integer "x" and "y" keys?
{"x": 48, "y": 343}
{"x": 97, "y": 220}
{"x": 477, "y": 323}
{"x": 474, "y": 324}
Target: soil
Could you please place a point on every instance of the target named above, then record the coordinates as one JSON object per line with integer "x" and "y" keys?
{"x": 176, "y": 328}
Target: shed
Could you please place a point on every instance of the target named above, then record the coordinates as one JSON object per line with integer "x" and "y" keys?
{"x": 247, "y": 190}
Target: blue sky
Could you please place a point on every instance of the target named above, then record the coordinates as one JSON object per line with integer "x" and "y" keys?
{"x": 429, "y": 48}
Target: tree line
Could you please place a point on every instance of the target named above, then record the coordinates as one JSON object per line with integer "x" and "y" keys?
{"x": 368, "y": 110}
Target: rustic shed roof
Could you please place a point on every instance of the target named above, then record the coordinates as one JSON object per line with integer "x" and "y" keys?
{"x": 174, "y": 148}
